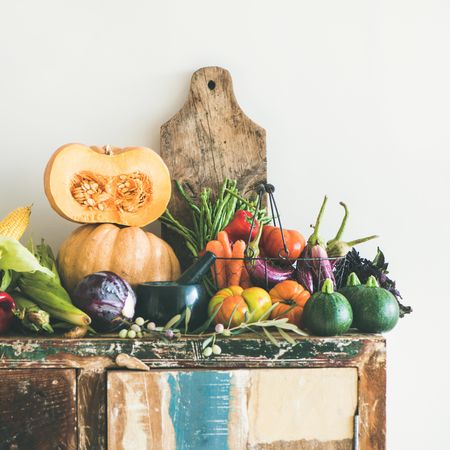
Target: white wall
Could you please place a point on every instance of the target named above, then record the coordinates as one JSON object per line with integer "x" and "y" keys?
{"x": 354, "y": 96}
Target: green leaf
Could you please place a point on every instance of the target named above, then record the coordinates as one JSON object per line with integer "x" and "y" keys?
{"x": 14, "y": 256}
{"x": 271, "y": 337}
{"x": 286, "y": 336}
{"x": 206, "y": 342}
{"x": 285, "y": 312}
{"x": 172, "y": 321}
{"x": 187, "y": 318}
{"x": 267, "y": 313}
{"x": 6, "y": 279}
{"x": 202, "y": 328}
{"x": 233, "y": 313}
{"x": 292, "y": 327}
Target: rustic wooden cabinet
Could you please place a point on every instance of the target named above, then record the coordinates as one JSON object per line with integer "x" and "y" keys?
{"x": 322, "y": 393}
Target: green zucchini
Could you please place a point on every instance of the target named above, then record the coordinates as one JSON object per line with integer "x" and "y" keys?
{"x": 327, "y": 313}
{"x": 375, "y": 310}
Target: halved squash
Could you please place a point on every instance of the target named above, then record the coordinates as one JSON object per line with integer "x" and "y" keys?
{"x": 129, "y": 186}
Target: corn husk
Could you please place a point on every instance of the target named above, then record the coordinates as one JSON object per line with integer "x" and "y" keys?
{"x": 48, "y": 292}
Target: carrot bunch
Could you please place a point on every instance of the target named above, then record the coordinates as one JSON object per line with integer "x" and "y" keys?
{"x": 230, "y": 271}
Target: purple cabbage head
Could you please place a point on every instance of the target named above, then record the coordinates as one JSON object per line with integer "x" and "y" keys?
{"x": 107, "y": 298}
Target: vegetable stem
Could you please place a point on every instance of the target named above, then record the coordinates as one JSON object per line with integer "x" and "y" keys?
{"x": 344, "y": 222}
{"x": 314, "y": 238}
{"x": 361, "y": 240}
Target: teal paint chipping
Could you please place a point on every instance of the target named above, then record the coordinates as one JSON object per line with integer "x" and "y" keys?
{"x": 199, "y": 407}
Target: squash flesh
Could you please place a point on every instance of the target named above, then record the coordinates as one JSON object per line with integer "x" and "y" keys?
{"x": 139, "y": 203}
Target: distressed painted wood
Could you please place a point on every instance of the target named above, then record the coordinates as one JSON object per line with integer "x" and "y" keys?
{"x": 237, "y": 410}
{"x": 211, "y": 139}
{"x": 38, "y": 410}
{"x": 366, "y": 353}
{"x": 91, "y": 409}
{"x": 95, "y": 353}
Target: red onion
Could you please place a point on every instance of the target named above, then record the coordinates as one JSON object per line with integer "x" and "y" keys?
{"x": 107, "y": 298}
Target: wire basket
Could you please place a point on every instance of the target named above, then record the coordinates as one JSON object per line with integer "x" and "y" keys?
{"x": 267, "y": 272}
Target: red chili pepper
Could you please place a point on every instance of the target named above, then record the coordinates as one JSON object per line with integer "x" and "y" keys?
{"x": 7, "y": 305}
{"x": 272, "y": 242}
{"x": 240, "y": 225}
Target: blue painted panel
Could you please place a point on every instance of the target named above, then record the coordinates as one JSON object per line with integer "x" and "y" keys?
{"x": 199, "y": 409}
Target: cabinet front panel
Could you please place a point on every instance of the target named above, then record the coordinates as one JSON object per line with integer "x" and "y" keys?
{"x": 37, "y": 409}
{"x": 270, "y": 409}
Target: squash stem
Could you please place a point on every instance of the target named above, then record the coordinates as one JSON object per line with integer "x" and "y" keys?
{"x": 372, "y": 282}
{"x": 353, "y": 280}
{"x": 327, "y": 287}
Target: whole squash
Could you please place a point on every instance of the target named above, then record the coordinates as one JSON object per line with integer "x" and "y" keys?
{"x": 128, "y": 186}
{"x": 376, "y": 310}
{"x": 132, "y": 253}
{"x": 327, "y": 313}
{"x": 291, "y": 298}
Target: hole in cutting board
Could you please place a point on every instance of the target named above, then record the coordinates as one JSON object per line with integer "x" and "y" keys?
{"x": 211, "y": 84}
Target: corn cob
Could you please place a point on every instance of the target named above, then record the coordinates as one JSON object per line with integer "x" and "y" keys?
{"x": 15, "y": 223}
{"x": 31, "y": 315}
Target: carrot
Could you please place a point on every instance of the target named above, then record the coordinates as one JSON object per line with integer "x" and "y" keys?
{"x": 236, "y": 266}
{"x": 218, "y": 268}
{"x": 245, "y": 279}
{"x": 222, "y": 237}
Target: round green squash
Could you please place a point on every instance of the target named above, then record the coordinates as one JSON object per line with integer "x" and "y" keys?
{"x": 327, "y": 313}
{"x": 352, "y": 291}
{"x": 376, "y": 310}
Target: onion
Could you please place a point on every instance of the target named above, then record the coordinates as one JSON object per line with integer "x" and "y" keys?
{"x": 107, "y": 298}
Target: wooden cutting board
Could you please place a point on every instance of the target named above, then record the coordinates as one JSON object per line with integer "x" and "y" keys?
{"x": 211, "y": 139}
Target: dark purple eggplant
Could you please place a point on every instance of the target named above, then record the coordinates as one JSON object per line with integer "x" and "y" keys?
{"x": 315, "y": 251}
{"x": 262, "y": 272}
{"x": 304, "y": 276}
{"x": 107, "y": 298}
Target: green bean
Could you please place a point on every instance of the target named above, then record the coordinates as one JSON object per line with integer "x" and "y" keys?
{"x": 167, "y": 218}
{"x": 191, "y": 248}
{"x": 218, "y": 215}
{"x": 184, "y": 235}
{"x": 188, "y": 198}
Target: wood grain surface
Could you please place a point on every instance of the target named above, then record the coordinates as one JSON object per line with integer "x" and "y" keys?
{"x": 366, "y": 353}
{"x": 235, "y": 410}
{"x": 211, "y": 139}
{"x": 38, "y": 410}
{"x": 91, "y": 408}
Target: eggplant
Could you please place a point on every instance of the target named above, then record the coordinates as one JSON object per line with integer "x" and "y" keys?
{"x": 262, "y": 272}
{"x": 336, "y": 248}
{"x": 304, "y": 276}
{"x": 315, "y": 251}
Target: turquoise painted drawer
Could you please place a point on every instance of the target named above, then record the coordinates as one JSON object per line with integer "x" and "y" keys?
{"x": 232, "y": 409}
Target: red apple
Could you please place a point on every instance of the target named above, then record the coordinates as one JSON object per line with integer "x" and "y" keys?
{"x": 7, "y": 306}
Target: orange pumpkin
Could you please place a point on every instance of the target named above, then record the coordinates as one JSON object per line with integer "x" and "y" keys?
{"x": 132, "y": 253}
{"x": 129, "y": 186}
{"x": 291, "y": 298}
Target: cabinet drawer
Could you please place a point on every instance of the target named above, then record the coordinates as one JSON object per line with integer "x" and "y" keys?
{"x": 266, "y": 409}
{"x": 37, "y": 409}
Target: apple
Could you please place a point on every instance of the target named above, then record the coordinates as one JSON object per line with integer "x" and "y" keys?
{"x": 237, "y": 305}
{"x": 7, "y": 305}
